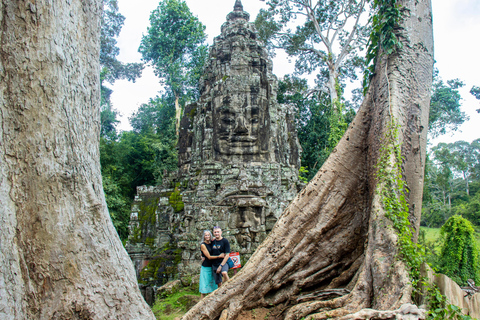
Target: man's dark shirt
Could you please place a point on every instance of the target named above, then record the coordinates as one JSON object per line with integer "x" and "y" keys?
{"x": 218, "y": 247}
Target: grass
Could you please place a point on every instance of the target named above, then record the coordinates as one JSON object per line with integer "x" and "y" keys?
{"x": 170, "y": 307}
{"x": 432, "y": 236}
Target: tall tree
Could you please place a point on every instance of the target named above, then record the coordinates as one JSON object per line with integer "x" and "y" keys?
{"x": 154, "y": 120}
{"x": 327, "y": 40}
{"x": 465, "y": 156}
{"x": 61, "y": 257}
{"x": 338, "y": 237}
{"x": 444, "y": 159}
{"x": 445, "y": 113}
{"x": 174, "y": 46}
{"x": 435, "y": 210}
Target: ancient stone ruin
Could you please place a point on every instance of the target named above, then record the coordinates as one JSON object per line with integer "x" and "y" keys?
{"x": 239, "y": 157}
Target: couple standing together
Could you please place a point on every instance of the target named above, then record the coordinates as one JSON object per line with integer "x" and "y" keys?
{"x": 215, "y": 257}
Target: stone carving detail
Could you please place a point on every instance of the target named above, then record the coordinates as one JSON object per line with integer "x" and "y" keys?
{"x": 238, "y": 155}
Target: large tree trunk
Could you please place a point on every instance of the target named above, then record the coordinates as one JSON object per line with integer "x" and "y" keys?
{"x": 60, "y": 255}
{"x": 334, "y": 237}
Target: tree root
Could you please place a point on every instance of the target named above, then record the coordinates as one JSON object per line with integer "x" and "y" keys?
{"x": 405, "y": 312}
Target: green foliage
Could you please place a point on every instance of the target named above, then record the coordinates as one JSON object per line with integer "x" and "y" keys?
{"x": 319, "y": 126}
{"x": 136, "y": 158}
{"x": 471, "y": 209}
{"x": 459, "y": 258}
{"x": 322, "y": 43}
{"x": 337, "y": 124}
{"x": 383, "y": 37}
{"x": 116, "y": 171}
{"x": 154, "y": 122}
{"x": 429, "y": 238}
{"x": 302, "y": 174}
{"x": 475, "y": 91}
{"x": 437, "y": 304}
{"x": 111, "y": 68}
{"x": 122, "y": 173}
{"x": 452, "y": 183}
{"x": 141, "y": 157}
{"x": 445, "y": 114}
{"x": 156, "y": 116}
{"x": 432, "y": 240}
{"x": 174, "y": 46}
{"x": 440, "y": 309}
{"x": 118, "y": 205}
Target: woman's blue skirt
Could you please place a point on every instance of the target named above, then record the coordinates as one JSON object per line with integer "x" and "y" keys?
{"x": 207, "y": 284}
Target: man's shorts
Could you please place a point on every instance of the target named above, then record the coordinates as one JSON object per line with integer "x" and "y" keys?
{"x": 218, "y": 276}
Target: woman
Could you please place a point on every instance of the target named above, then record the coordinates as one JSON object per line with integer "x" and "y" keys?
{"x": 207, "y": 283}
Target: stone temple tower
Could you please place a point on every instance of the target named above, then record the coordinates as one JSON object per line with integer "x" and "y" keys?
{"x": 239, "y": 157}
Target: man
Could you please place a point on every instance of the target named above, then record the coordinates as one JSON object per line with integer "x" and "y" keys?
{"x": 220, "y": 266}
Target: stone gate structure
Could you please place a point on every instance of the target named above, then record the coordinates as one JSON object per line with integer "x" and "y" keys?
{"x": 239, "y": 157}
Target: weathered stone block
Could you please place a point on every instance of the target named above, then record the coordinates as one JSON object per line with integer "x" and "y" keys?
{"x": 238, "y": 151}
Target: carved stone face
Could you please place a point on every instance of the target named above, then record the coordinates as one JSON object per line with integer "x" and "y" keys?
{"x": 240, "y": 124}
{"x": 249, "y": 223}
{"x": 250, "y": 217}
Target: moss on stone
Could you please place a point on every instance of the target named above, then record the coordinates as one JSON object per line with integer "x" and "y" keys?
{"x": 162, "y": 267}
{"x": 149, "y": 241}
{"x": 176, "y": 201}
{"x": 146, "y": 218}
{"x": 192, "y": 114}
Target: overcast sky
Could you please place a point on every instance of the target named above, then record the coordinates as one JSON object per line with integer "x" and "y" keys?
{"x": 456, "y": 32}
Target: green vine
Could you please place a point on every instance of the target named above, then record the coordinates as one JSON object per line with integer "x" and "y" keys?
{"x": 393, "y": 198}
{"x": 383, "y": 38}
{"x": 439, "y": 308}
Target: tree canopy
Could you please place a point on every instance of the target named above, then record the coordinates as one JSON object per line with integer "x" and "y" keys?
{"x": 445, "y": 113}
{"x": 112, "y": 68}
{"x": 326, "y": 41}
{"x": 452, "y": 184}
{"x": 174, "y": 47}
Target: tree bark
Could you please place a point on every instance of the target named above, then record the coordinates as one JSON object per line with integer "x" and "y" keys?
{"x": 331, "y": 84}
{"x": 178, "y": 114}
{"x": 335, "y": 233}
{"x": 60, "y": 255}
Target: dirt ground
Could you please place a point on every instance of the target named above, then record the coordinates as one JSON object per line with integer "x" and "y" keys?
{"x": 256, "y": 314}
